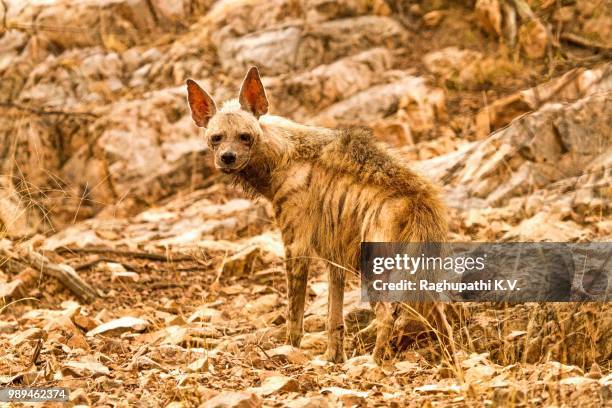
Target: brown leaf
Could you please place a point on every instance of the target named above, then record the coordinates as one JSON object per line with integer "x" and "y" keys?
{"x": 118, "y": 326}
{"x": 289, "y": 354}
{"x": 7, "y": 289}
{"x": 533, "y": 38}
{"x": 198, "y": 366}
{"x": 32, "y": 333}
{"x": 276, "y": 383}
{"x": 84, "y": 368}
{"x": 233, "y": 399}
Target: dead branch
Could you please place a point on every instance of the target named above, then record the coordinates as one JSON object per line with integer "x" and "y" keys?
{"x": 168, "y": 284}
{"x": 126, "y": 265}
{"x": 129, "y": 254}
{"x": 93, "y": 262}
{"x": 584, "y": 42}
{"x": 63, "y": 273}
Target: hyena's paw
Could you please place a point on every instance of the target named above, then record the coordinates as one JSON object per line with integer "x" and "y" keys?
{"x": 379, "y": 354}
{"x": 335, "y": 355}
{"x": 378, "y": 358}
{"x": 294, "y": 337}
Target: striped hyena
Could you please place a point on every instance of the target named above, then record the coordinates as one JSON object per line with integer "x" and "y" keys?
{"x": 330, "y": 190}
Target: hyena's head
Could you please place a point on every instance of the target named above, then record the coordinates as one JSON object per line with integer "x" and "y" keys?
{"x": 232, "y": 132}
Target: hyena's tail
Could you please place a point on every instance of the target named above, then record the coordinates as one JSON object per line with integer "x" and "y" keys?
{"x": 424, "y": 234}
{"x": 426, "y": 221}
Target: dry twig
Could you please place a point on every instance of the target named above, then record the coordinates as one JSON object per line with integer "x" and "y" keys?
{"x": 584, "y": 42}
{"x": 130, "y": 254}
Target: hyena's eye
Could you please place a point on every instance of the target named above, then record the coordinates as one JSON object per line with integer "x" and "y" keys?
{"x": 245, "y": 137}
{"x": 215, "y": 139}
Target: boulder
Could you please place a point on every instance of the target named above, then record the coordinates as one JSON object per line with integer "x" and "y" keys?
{"x": 416, "y": 105}
{"x": 309, "y": 92}
{"x": 294, "y": 48}
{"x": 553, "y": 145}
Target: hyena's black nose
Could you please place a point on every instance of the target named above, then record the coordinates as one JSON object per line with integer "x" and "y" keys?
{"x": 228, "y": 157}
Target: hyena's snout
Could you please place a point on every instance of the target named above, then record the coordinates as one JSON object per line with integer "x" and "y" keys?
{"x": 229, "y": 160}
{"x": 228, "y": 157}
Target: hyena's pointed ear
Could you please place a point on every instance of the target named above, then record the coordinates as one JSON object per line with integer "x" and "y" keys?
{"x": 201, "y": 104}
{"x": 252, "y": 94}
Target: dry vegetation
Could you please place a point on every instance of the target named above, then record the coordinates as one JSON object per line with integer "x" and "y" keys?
{"x": 133, "y": 275}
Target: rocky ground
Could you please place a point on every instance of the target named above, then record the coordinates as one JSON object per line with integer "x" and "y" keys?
{"x": 506, "y": 104}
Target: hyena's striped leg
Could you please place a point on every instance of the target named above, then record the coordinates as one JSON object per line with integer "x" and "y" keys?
{"x": 383, "y": 228}
{"x": 297, "y": 277}
{"x": 384, "y": 328}
{"x": 335, "y": 317}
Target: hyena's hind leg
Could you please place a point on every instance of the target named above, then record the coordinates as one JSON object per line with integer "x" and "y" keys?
{"x": 335, "y": 317}
{"x": 296, "y": 268}
{"x": 384, "y": 227}
{"x": 385, "y": 319}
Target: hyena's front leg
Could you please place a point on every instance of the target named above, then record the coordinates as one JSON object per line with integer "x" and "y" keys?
{"x": 335, "y": 318}
{"x": 296, "y": 265}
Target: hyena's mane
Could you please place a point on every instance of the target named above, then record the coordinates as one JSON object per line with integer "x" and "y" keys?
{"x": 355, "y": 152}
